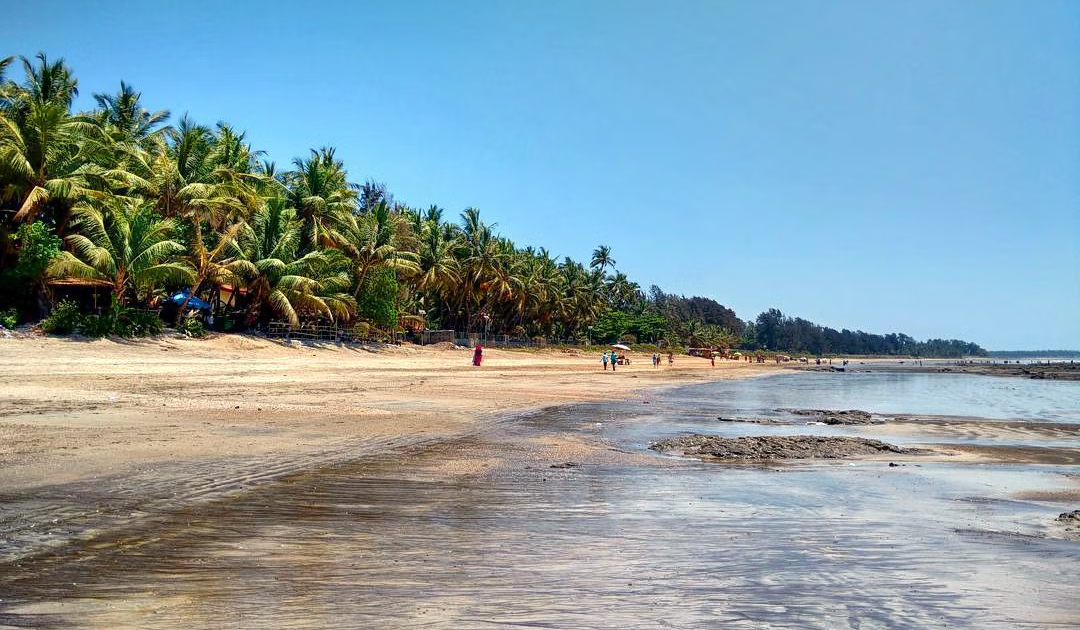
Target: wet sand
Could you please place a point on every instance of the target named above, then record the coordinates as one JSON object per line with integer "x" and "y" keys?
{"x": 495, "y": 529}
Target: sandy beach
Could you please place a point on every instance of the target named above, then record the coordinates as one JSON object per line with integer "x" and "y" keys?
{"x": 227, "y": 413}
{"x": 191, "y": 420}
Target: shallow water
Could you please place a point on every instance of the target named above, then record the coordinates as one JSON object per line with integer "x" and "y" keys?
{"x": 990, "y": 397}
{"x": 380, "y": 544}
{"x": 695, "y": 409}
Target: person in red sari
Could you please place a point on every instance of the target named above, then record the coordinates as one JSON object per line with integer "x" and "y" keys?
{"x": 478, "y": 356}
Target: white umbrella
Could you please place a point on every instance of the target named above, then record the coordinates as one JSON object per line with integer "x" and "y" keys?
{"x": 619, "y": 346}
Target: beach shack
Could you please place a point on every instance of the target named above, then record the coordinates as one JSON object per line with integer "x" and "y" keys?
{"x": 92, "y": 295}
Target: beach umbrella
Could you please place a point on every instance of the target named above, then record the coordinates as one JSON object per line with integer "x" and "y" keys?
{"x": 619, "y": 346}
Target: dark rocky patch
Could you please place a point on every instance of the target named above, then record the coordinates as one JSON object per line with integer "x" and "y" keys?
{"x": 775, "y": 447}
{"x": 750, "y": 420}
{"x": 1069, "y": 517}
{"x": 831, "y": 416}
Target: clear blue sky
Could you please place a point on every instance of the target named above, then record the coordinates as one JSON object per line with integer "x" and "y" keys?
{"x": 890, "y": 166}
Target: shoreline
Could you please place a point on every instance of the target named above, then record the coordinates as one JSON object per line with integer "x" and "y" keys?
{"x": 1041, "y": 371}
{"x": 96, "y": 434}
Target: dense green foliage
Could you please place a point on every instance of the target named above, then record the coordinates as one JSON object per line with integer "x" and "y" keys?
{"x": 22, "y": 286}
{"x": 117, "y": 207}
{"x": 119, "y": 320}
{"x": 644, "y": 327}
{"x": 38, "y": 246}
{"x": 774, "y": 330}
{"x": 9, "y": 318}
{"x": 377, "y": 296}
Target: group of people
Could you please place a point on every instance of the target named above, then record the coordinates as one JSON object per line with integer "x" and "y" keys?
{"x": 605, "y": 358}
{"x": 611, "y": 357}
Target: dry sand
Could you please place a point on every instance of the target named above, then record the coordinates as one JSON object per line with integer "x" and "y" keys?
{"x": 250, "y": 408}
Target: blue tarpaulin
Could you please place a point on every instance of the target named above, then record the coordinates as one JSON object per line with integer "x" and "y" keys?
{"x": 194, "y": 302}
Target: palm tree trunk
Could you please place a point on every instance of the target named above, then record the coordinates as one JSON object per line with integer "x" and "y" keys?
{"x": 191, "y": 293}
{"x": 199, "y": 278}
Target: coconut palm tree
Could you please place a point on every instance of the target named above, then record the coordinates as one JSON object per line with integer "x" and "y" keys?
{"x": 120, "y": 240}
{"x": 181, "y": 177}
{"x": 206, "y": 181}
{"x": 323, "y": 198}
{"x": 49, "y": 82}
{"x": 372, "y": 193}
{"x": 4, "y": 86}
{"x": 439, "y": 270}
{"x": 622, "y": 293}
{"x": 285, "y": 284}
{"x": 601, "y": 258}
{"x": 214, "y": 264}
{"x": 370, "y": 242}
{"x": 482, "y": 257}
{"x": 505, "y": 282}
{"x": 43, "y": 155}
{"x": 696, "y": 333}
{"x": 123, "y": 113}
{"x": 546, "y": 294}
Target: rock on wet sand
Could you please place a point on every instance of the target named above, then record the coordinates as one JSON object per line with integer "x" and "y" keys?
{"x": 831, "y": 416}
{"x": 775, "y": 447}
{"x": 1069, "y": 525}
{"x": 1070, "y": 517}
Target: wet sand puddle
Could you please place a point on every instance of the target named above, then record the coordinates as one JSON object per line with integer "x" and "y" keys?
{"x": 623, "y": 540}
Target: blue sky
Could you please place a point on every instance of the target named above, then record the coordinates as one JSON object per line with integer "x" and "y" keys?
{"x": 889, "y": 166}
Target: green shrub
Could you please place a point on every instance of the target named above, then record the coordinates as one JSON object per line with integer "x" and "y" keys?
{"x": 97, "y": 326}
{"x": 131, "y": 322}
{"x": 9, "y": 318}
{"x": 120, "y": 320}
{"x": 64, "y": 320}
{"x": 192, "y": 327}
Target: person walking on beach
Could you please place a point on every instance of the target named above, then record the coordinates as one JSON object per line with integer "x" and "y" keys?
{"x": 478, "y": 356}
{"x": 614, "y": 360}
{"x": 670, "y": 359}
{"x": 604, "y": 359}
{"x": 712, "y": 359}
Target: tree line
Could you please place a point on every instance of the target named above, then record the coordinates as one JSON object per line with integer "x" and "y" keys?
{"x": 126, "y": 203}
{"x": 774, "y": 330}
